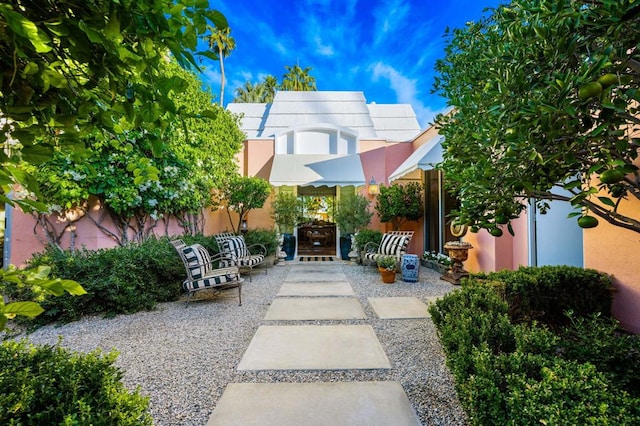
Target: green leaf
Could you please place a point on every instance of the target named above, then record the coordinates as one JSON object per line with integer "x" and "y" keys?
{"x": 73, "y": 287}
{"x": 26, "y": 309}
{"x": 607, "y": 201}
{"x": 112, "y": 29}
{"x": 27, "y": 29}
{"x": 37, "y": 154}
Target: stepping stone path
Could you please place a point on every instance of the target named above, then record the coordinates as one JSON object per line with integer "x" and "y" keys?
{"x": 314, "y": 292}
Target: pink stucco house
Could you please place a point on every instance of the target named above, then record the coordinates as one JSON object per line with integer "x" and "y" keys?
{"x": 332, "y": 144}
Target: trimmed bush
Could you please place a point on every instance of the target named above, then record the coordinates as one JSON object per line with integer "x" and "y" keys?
{"x": 522, "y": 373}
{"x": 50, "y": 385}
{"x": 545, "y": 293}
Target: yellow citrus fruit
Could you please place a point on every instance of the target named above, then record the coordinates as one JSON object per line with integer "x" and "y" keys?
{"x": 607, "y": 80}
{"x": 589, "y": 90}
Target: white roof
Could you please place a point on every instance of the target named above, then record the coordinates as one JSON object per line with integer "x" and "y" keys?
{"x": 397, "y": 123}
{"x": 316, "y": 170}
{"x": 425, "y": 158}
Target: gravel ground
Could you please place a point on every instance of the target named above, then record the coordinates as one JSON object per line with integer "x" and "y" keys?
{"x": 183, "y": 358}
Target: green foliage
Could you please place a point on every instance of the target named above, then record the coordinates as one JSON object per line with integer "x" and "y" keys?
{"x": 353, "y": 213}
{"x": 262, "y": 92}
{"x": 285, "y": 210}
{"x": 545, "y": 98}
{"x": 298, "y": 79}
{"x": 36, "y": 280}
{"x": 268, "y": 238}
{"x": 71, "y": 69}
{"x": 387, "y": 262}
{"x": 241, "y": 194}
{"x": 546, "y": 293}
{"x": 365, "y": 236}
{"x": 120, "y": 280}
{"x": 132, "y": 182}
{"x": 400, "y": 203}
{"x": 522, "y": 374}
{"x": 51, "y": 385}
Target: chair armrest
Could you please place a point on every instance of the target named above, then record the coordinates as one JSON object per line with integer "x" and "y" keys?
{"x": 257, "y": 249}
{"x": 370, "y": 247}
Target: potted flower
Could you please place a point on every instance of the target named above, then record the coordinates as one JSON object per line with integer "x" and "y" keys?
{"x": 387, "y": 268}
{"x": 436, "y": 261}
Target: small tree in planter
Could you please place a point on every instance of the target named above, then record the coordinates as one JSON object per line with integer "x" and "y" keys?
{"x": 241, "y": 194}
{"x": 285, "y": 210}
{"x": 400, "y": 203}
{"x": 351, "y": 215}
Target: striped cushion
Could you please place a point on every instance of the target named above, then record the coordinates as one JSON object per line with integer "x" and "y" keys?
{"x": 209, "y": 282}
{"x": 198, "y": 260}
{"x": 252, "y": 260}
{"x": 393, "y": 244}
{"x": 236, "y": 247}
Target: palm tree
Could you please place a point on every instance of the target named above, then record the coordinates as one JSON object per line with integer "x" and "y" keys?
{"x": 250, "y": 93}
{"x": 270, "y": 84}
{"x": 221, "y": 40}
{"x": 298, "y": 79}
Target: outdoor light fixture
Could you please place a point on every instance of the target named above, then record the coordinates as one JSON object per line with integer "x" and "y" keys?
{"x": 373, "y": 187}
{"x": 243, "y": 226}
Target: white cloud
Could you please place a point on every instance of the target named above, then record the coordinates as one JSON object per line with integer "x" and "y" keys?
{"x": 406, "y": 91}
{"x": 388, "y": 17}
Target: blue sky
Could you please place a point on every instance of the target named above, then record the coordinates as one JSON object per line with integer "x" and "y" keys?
{"x": 384, "y": 48}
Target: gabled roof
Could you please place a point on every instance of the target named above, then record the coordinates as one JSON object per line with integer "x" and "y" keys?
{"x": 289, "y": 109}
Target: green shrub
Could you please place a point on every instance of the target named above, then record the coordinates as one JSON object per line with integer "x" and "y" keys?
{"x": 469, "y": 318}
{"x": 367, "y": 235}
{"x": 268, "y": 238}
{"x": 599, "y": 341}
{"x": 546, "y": 293}
{"x": 528, "y": 373}
{"x": 50, "y": 385}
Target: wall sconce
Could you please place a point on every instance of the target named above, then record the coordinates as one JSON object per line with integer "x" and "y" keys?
{"x": 373, "y": 187}
{"x": 243, "y": 226}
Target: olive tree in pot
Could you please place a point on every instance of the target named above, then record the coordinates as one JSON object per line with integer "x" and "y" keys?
{"x": 352, "y": 214}
{"x": 285, "y": 211}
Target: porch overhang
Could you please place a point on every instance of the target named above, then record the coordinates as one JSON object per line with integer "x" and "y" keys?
{"x": 425, "y": 157}
{"x": 316, "y": 170}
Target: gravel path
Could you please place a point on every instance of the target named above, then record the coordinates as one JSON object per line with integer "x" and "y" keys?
{"x": 183, "y": 358}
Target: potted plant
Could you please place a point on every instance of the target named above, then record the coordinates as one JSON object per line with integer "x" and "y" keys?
{"x": 387, "y": 268}
{"x": 285, "y": 210}
{"x": 352, "y": 213}
{"x": 437, "y": 261}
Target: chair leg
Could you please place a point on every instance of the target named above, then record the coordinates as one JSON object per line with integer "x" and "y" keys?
{"x": 240, "y": 295}
{"x": 189, "y": 294}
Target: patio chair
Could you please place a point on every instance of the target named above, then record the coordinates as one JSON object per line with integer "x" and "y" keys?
{"x": 235, "y": 252}
{"x": 393, "y": 243}
{"x": 205, "y": 272}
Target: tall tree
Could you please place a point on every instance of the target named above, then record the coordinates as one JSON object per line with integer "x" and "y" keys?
{"x": 398, "y": 203}
{"x": 298, "y": 79}
{"x": 221, "y": 41}
{"x": 69, "y": 69}
{"x": 262, "y": 92}
{"x": 545, "y": 96}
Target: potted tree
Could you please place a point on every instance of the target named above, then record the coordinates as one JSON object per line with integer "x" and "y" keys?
{"x": 398, "y": 203}
{"x": 387, "y": 268}
{"x": 352, "y": 213}
{"x": 285, "y": 210}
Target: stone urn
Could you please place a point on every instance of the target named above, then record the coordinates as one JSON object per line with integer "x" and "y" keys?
{"x": 458, "y": 251}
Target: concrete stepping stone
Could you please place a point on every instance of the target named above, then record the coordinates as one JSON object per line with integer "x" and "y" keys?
{"x": 399, "y": 307}
{"x": 314, "y": 347}
{"x": 317, "y": 272}
{"x": 325, "y": 308}
{"x": 339, "y": 288}
{"x": 314, "y": 404}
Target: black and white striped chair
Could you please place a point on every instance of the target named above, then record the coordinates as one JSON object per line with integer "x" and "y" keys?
{"x": 393, "y": 243}
{"x": 206, "y": 272}
{"x": 234, "y": 251}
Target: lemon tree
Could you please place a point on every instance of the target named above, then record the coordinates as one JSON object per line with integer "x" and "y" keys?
{"x": 545, "y": 107}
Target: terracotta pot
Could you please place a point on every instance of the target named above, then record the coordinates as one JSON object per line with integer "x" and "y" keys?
{"x": 388, "y": 277}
